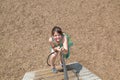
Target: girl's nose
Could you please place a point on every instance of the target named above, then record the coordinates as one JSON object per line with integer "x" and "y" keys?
{"x": 57, "y": 36}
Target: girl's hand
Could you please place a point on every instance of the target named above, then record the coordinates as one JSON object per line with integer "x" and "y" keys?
{"x": 58, "y": 48}
{"x": 62, "y": 49}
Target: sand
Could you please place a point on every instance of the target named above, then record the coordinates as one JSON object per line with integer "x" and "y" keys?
{"x": 25, "y": 27}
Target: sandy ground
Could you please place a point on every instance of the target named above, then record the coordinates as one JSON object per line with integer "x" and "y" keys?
{"x": 25, "y": 27}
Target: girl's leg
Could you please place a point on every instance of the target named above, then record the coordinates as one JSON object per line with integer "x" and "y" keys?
{"x": 52, "y": 59}
{"x": 61, "y": 63}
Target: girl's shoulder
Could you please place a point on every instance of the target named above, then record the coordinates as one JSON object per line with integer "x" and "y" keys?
{"x": 50, "y": 39}
{"x": 66, "y": 35}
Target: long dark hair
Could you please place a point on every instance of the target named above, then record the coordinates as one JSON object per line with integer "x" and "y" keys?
{"x": 57, "y": 29}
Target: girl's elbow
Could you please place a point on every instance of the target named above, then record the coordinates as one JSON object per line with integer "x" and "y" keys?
{"x": 66, "y": 51}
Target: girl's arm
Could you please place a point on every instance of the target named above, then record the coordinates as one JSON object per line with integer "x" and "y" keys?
{"x": 53, "y": 46}
{"x": 65, "y": 45}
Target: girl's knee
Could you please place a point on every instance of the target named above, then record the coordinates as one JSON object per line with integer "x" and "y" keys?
{"x": 54, "y": 55}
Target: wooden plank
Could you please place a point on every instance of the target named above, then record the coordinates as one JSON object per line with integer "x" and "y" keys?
{"x": 86, "y": 74}
{"x": 55, "y": 77}
{"x": 46, "y": 74}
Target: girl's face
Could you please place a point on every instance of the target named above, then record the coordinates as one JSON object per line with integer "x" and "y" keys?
{"x": 57, "y": 37}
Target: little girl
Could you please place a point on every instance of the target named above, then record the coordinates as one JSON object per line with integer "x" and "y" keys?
{"x": 59, "y": 42}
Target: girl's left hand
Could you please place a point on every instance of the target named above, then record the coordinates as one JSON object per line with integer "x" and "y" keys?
{"x": 62, "y": 48}
{"x": 58, "y": 48}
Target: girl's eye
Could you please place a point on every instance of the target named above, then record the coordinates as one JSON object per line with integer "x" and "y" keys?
{"x": 56, "y": 35}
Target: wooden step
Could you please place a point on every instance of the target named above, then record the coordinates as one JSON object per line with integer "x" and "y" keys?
{"x": 54, "y": 76}
{"x": 46, "y": 74}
